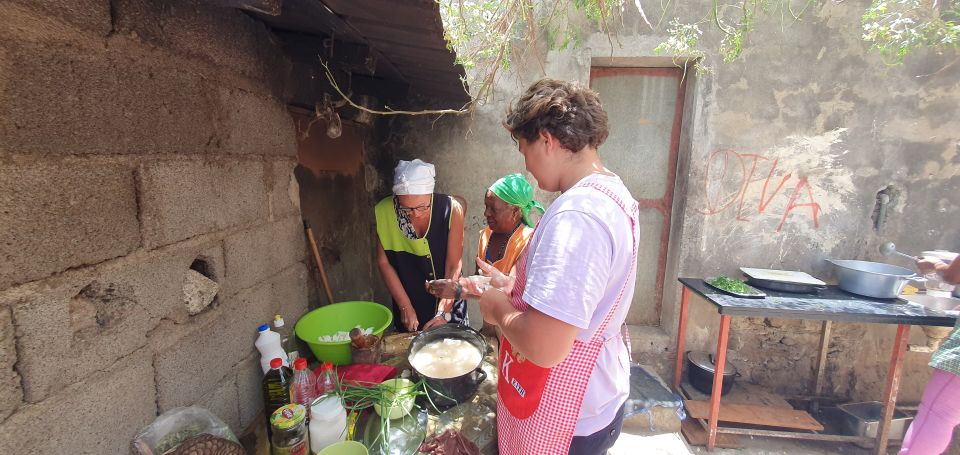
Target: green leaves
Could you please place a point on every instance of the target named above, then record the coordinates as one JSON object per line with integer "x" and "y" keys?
{"x": 895, "y": 28}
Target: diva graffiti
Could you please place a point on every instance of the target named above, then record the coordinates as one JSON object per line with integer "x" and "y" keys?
{"x": 754, "y": 187}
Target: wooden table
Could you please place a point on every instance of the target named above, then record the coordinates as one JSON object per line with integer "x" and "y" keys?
{"x": 829, "y": 305}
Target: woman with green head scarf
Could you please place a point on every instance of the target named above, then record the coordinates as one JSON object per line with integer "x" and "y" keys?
{"x": 508, "y": 206}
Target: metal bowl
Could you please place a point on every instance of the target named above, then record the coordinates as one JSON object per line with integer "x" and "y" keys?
{"x": 871, "y": 279}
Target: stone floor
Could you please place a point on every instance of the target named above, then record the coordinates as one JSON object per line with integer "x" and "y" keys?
{"x": 674, "y": 444}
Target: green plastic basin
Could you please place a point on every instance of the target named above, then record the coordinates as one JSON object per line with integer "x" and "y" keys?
{"x": 345, "y": 448}
{"x": 336, "y": 317}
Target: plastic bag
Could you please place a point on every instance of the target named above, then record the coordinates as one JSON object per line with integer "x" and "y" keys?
{"x": 176, "y": 425}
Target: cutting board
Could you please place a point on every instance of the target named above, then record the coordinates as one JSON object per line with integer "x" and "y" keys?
{"x": 786, "y": 276}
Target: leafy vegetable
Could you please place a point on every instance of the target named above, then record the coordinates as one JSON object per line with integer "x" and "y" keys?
{"x": 731, "y": 285}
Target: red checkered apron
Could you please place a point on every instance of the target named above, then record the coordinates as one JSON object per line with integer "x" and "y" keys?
{"x": 537, "y": 408}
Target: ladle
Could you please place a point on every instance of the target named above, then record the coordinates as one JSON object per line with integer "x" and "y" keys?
{"x": 889, "y": 249}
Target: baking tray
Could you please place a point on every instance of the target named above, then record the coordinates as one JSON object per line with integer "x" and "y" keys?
{"x": 756, "y": 294}
{"x": 786, "y": 276}
{"x": 796, "y": 288}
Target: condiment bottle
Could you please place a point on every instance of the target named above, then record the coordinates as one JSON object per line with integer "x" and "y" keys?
{"x": 327, "y": 382}
{"x": 289, "y": 431}
{"x": 276, "y": 386}
{"x": 328, "y": 422}
{"x": 303, "y": 387}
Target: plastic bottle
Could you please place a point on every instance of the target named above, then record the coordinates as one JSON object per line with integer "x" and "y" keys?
{"x": 276, "y": 386}
{"x": 303, "y": 389}
{"x": 327, "y": 382}
{"x": 268, "y": 343}
{"x": 328, "y": 423}
{"x": 287, "y": 339}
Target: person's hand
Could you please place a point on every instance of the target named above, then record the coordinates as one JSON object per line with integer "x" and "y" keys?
{"x": 434, "y": 322}
{"x": 928, "y": 265}
{"x": 497, "y": 278}
{"x": 444, "y": 288}
{"x": 408, "y": 316}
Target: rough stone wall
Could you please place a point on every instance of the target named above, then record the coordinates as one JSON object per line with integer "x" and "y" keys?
{"x": 138, "y": 140}
{"x": 336, "y": 183}
{"x": 819, "y": 125}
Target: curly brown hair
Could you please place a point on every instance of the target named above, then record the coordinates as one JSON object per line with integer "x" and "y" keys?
{"x": 570, "y": 112}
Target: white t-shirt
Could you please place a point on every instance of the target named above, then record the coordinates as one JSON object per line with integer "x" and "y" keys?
{"x": 580, "y": 255}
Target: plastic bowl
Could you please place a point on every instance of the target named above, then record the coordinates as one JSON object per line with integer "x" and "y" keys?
{"x": 336, "y": 317}
{"x": 344, "y": 448}
{"x": 398, "y": 406}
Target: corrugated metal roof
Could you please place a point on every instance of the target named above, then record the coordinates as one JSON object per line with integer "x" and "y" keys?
{"x": 406, "y": 36}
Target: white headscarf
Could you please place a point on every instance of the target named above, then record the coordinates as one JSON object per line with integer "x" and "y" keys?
{"x": 413, "y": 177}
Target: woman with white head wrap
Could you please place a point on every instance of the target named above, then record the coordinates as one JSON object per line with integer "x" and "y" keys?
{"x": 420, "y": 238}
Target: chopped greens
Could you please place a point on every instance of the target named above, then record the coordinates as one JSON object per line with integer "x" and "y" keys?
{"x": 731, "y": 285}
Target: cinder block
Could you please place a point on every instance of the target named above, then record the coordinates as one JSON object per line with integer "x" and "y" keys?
{"x": 255, "y": 125}
{"x": 10, "y": 393}
{"x": 59, "y": 216}
{"x": 222, "y": 402}
{"x": 198, "y": 29}
{"x": 179, "y": 199}
{"x": 290, "y": 296}
{"x": 75, "y": 323}
{"x": 198, "y": 292}
{"x": 110, "y": 103}
{"x": 284, "y": 190}
{"x": 98, "y": 416}
{"x": 260, "y": 252}
{"x": 202, "y": 354}
{"x": 93, "y": 15}
{"x": 250, "y": 394}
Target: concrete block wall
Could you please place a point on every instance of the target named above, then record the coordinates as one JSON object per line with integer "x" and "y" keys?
{"x": 138, "y": 140}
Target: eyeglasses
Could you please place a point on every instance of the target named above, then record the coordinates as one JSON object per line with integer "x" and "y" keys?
{"x": 417, "y": 209}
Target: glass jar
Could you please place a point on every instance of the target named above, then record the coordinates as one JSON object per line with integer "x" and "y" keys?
{"x": 289, "y": 431}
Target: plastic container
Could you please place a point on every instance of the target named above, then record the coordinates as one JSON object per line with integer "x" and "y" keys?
{"x": 327, "y": 381}
{"x": 398, "y": 396}
{"x": 289, "y": 424}
{"x": 270, "y": 347}
{"x": 276, "y": 386}
{"x": 328, "y": 422}
{"x": 345, "y": 448}
{"x": 303, "y": 387}
{"x": 287, "y": 339}
{"x": 337, "y": 317}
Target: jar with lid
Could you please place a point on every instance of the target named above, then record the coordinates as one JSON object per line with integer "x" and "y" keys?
{"x": 289, "y": 424}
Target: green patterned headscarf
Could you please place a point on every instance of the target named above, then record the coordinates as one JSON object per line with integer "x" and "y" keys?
{"x": 515, "y": 190}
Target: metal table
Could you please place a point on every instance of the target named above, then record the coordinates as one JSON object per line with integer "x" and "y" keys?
{"x": 831, "y": 304}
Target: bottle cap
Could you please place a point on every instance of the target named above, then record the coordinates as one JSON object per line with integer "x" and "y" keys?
{"x": 300, "y": 364}
{"x": 326, "y": 366}
{"x": 276, "y": 363}
{"x": 288, "y": 416}
{"x": 263, "y": 328}
{"x": 277, "y": 321}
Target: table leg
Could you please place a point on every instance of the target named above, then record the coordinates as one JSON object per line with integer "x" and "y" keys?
{"x": 681, "y": 338}
{"x": 893, "y": 386}
{"x": 821, "y": 364}
{"x": 720, "y": 359}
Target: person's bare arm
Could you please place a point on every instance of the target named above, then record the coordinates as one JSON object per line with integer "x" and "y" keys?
{"x": 454, "y": 263}
{"x": 392, "y": 280}
{"x": 949, "y": 272}
{"x": 539, "y": 338}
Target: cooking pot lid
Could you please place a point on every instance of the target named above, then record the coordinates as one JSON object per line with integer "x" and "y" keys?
{"x": 705, "y": 360}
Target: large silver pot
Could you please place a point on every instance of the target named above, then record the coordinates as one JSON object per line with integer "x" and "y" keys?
{"x": 871, "y": 279}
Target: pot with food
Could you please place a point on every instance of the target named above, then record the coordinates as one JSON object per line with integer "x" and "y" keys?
{"x": 449, "y": 359}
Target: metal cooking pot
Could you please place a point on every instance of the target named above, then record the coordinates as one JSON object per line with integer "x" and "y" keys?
{"x": 700, "y": 372}
{"x": 872, "y": 279}
{"x": 448, "y": 392}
